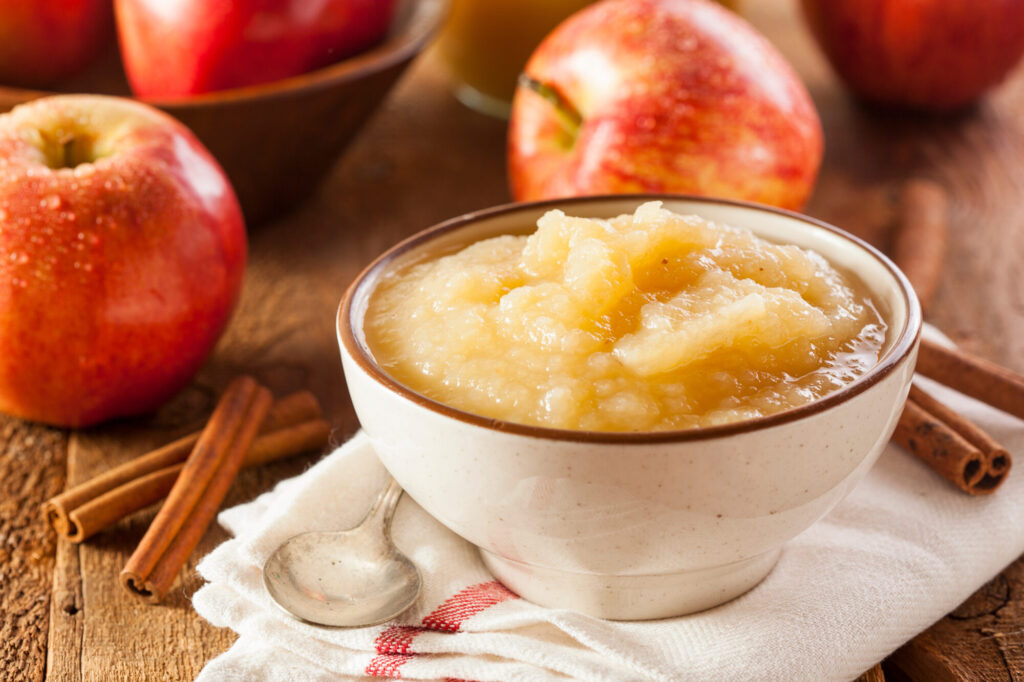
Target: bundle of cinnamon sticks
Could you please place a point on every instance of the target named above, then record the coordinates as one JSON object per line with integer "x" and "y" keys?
{"x": 949, "y": 443}
{"x": 956, "y": 448}
{"x": 194, "y": 473}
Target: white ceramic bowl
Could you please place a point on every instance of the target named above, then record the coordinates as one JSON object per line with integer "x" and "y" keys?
{"x": 634, "y": 525}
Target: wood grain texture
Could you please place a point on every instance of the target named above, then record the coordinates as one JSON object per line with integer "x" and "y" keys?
{"x": 31, "y": 469}
{"x": 421, "y": 159}
{"x": 981, "y": 641}
{"x": 874, "y": 675}
{"x": 64, "y": 642}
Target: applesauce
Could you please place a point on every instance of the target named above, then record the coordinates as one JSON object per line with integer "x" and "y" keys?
{"x": 649, "y": 321}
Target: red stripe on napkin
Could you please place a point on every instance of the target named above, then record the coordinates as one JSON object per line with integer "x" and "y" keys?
{"x": 394, "y": 643}
{"x": 396, "y": 639}
{"x": 450, "y": 615}
{"x": 386, "y": 665}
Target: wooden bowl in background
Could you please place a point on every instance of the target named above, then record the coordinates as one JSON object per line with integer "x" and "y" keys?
{"x": 277, "y": 140}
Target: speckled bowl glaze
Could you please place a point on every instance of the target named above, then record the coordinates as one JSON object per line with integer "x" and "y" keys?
{"x": 634, "y": 525}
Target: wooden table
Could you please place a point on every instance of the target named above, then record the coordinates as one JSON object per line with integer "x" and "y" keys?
{"x": 424, "y": 158}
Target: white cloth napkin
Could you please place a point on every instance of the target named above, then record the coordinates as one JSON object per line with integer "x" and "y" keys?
{"x": 900, "y": 552}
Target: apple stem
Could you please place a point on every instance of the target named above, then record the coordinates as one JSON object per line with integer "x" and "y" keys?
{"x": 67, "y": 149}
{"x": 570, "y": 116}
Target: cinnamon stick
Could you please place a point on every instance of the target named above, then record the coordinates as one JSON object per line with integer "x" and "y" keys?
{"x": 110, "y": 507}
{"x": 291, "y": 440}
{"x": 166, "y": 569}
{"x": 100, "y": 512}
{"x": 973, "y": 376}
{"x": 997, "y": 458}
{"x": 919, "y": 244}
{"x": 198, "y": 491}
{"x": 290, "y": 410}
{"x": 944, "y": 450}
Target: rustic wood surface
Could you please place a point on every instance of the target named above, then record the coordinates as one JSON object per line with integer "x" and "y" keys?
{"x": 421, "y": 159}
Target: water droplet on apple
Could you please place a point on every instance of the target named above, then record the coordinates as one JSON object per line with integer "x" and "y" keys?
{"x": 87, "y": 267}
{"x": 52, "y": 202}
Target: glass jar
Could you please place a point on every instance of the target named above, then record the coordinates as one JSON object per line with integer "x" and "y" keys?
{"x": 486, "y": 44}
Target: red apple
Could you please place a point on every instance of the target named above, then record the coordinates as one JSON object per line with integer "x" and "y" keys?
{"x": 44, "y": 41}
{"x": 662, "y": 96}
{"x": 928, "y": 54}
{"x": 194, "y": 46}
{"x": 122, "y": 250}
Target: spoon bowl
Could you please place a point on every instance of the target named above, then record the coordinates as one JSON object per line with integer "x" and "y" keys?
{"x": 346, "y": 578}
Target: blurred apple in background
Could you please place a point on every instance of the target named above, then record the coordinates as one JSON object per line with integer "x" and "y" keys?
{"x": 44, "y": 41}
{"x": 187, "y": 47}
{"x": 662, "y": 96}
{"x": 122, "y": 250}
{"x": 927, "y": 54}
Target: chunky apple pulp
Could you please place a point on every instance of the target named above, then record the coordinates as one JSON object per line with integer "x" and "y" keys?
{"x": 649, "y": 321}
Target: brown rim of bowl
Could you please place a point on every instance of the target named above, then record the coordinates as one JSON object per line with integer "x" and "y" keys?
{"x": 422, "y": 23}
{"x": 905, "y": 342}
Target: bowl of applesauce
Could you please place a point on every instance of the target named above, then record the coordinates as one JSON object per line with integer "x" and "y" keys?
{"x": 629, "y": 403}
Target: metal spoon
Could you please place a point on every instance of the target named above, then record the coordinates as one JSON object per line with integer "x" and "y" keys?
{"x": 345, "y": 578}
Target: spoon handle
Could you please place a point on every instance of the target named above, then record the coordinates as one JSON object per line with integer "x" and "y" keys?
{"x": 383, "y": 509}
